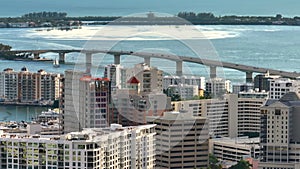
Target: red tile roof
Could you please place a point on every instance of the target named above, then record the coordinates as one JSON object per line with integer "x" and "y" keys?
{"x": 133, "y": 80}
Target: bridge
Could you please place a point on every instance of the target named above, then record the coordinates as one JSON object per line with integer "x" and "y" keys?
{"x": 213, "y": 64}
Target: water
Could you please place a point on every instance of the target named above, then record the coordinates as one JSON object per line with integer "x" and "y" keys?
{"x": 275, "y": 47}
{"x": 18, "y": 113}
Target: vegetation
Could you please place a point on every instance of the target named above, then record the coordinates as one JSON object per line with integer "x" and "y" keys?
{"x": 241, "y": 165}
{"x": 171, "y": 92}
{"x": 4, "y": 47}
{"x": 201, "y": 97}
{"x": 5, "y": 52}
{"x": 209, "y": 18}
{"x": 55, "y": 19}
{"x": 214, "y": 162}
{"x": 54, "y": 15}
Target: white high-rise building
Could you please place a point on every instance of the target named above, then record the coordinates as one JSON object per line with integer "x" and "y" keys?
{"x": 49, "y": 85}
{"x": 9, "y": 84}
{"x": 281, "y": 86}
{"x": 228, "y": 117}
{"x": 71, "y": 100}
{"x": 107, "y": 148}
{"x": 117, "y": 76}
{"x": 150, "y": 78}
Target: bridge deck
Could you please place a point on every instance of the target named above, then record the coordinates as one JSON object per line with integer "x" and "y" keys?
{"x": 207, "y": 62}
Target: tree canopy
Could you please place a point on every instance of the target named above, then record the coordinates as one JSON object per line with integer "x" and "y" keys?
{"x": 4, "y": 47}
{"x": 241, "y": 165}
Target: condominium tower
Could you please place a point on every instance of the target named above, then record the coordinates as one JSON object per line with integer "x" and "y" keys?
{"x": 181, "y": 141}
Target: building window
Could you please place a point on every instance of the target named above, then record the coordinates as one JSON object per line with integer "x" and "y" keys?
{"x": 277, "y": 112}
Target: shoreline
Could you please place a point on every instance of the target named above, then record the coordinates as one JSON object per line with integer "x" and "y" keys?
{"x": 24, "y": 104}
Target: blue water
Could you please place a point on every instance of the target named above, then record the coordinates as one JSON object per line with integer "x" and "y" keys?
{"x": 18, "y": 113}
{"x": 127, "y": 7}
{"x": 275, "y": 47}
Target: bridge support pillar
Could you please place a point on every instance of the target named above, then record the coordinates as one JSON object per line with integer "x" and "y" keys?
{"x": 179, "y": 68}
{"x": 147, "y": 60}
{"x": 62, "y": 57}
{"x": 117, "y": 59}
{"x": 88, "y": 62}
{"x": 213, "y": 72}
{"x": 249, "y": 78}
{"x": 36, "y": 55}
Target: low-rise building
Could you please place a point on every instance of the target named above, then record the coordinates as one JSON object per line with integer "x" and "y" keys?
{"x": 254, "y": 94}
{"x": 235, "y": 149}
{"x": 281, "y": 86}
{"x": 185, "y": 80}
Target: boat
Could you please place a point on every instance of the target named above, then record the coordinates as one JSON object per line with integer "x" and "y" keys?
{"x": 47, "y": 115}
{"x": 55, "y": 63}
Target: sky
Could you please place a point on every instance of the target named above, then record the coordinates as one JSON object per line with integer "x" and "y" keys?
{"x": 127, "y": 7}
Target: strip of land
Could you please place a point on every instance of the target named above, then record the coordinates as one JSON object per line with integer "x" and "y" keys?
{"x": 62, "y": 21}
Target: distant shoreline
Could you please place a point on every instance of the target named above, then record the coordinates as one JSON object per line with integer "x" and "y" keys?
{"x": 60, "y": 20}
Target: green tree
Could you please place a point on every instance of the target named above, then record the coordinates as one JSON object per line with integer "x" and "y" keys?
{"x": 241, "y": 165}
{"x": 214, "y": 162}
{"x": 4, "y": 47}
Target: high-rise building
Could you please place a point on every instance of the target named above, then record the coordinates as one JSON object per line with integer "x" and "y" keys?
{"x": 228, "y": 117}
{"x": 94, "y": 99}
{"x": 181, "y": 141}
{"x": 70, "y": 100}
{"x": 150, "y": 78}
{"x": 281, "y": 86}
{"x": 9, "y": 85}
{"x": 27, "y": 86}
{"x": 142, "y": 97}
{"x": 217, "y": 87}
{"x": 50, "y": 85}
{"x": 86, "y": 101}
{"x": 131, "y": 108}
{"x": 117, "y": 76}
{"x": 279, "y": 135}
{"x": 114, "y": 147}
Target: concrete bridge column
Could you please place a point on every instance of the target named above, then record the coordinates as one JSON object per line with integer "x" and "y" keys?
{"x": 36, "y": 55}
{"x": 213, "y": 72}
{"x": 62, "y": 57}
{"x": 249, "y": 78}
{"x": 88, "y": 62}
{"x": 179, "y": 68}
{"x": 117, "y": 59}
{"x": 147, "y": 60}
